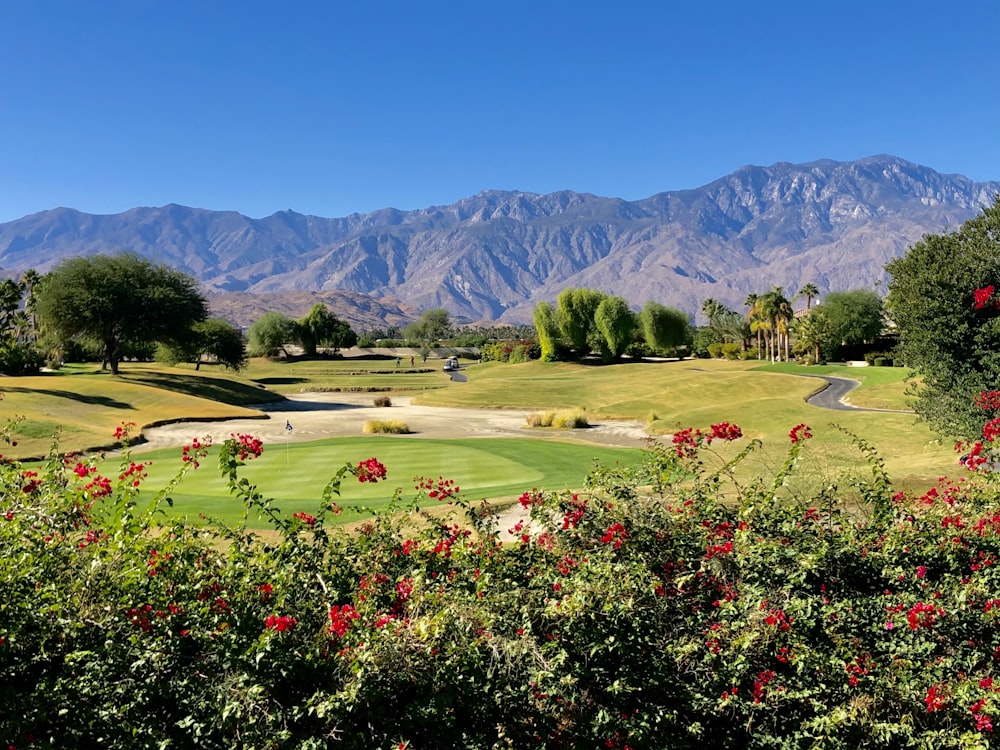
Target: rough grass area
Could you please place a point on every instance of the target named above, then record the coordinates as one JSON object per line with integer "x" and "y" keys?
{"x": 385, "y": 427}
{"x": 565, "y": 419}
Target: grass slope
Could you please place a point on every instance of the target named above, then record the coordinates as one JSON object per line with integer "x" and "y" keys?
{"x": 765, "y": 403}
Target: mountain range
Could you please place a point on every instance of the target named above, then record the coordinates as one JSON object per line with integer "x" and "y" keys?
{"x": 493, "y": 256}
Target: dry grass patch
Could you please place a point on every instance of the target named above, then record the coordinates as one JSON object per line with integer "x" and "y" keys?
{"x": 386, "y": 427}
{"x": 565, "y": 419}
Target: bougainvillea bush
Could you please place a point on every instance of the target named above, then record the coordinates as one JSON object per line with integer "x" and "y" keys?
{"x": 642, "y": 613}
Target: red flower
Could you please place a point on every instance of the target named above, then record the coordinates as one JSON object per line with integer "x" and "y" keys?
{"x": 616, "y": 534}
{"x": 247, "y": 447}
{"x": 340, "y": 619}
{"x": 726, "y": 431}
{"x": 982, "y": 296}
{"x": 988, "y": 400}
{"x": 307, "y": 519}
{"x": 370, "y": 470}
{"x": 935, "y": 699}
{"x": 281, "y": 623}
{"x": 799, "y": 432}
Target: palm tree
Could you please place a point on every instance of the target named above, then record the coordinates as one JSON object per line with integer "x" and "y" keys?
{"x": 29, "y": 280}
{"x": 808, "y": 291}
{"x": 711, "y": 308}
{"x": 776, "y": 310}
{"x": 753, "y": 317}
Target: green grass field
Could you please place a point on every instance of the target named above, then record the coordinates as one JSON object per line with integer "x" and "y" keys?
{"x": 766, "y": 401}
{"x": 296, "y": 473}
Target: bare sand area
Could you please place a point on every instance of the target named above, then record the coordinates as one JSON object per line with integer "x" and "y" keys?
{"x": 314, "y": 416}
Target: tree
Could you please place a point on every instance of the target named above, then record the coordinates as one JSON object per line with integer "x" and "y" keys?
{"x": 812, "y": 334}
{"x": 117, "y": 301}
{"x": 214, "y": 338}
{"x": 320, "y": 327}
{"x": 223, "y": 342}
{"x": 771, "y": 314}
{"x": 949, "y": 329}
{"x": 809, "y": 291}
{"x": 269, "y": 334}
{"x": 575, "y": 310}
{"x": 665, "y": 328}
{"x": 711, "y": 308}
{"x": 547, "y": 330}
{"x": 616, "y": 323}
{"x": 433, "y": 325}
{"x": 854, "y": 317}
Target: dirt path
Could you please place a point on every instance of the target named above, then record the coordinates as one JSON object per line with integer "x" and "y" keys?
{"x": 315, "y": 416}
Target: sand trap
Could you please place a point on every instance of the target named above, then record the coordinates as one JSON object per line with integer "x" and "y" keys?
{"x": 314, "y": 416}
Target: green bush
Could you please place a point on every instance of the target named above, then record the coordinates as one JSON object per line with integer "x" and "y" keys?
{"x": 20, "y": 359}
{"x": 715, "y": 350}
{"x": 644, "y": 611}
{"x": 730, "y": 351}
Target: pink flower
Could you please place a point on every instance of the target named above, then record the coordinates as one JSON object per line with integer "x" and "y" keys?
{"x": 921, "y": 571}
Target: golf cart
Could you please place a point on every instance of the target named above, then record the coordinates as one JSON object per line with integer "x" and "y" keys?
{"x": 450, "y": 364}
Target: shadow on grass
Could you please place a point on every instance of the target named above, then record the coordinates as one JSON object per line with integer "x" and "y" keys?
{"x": 280, "y": 381}
{"x": 105, "y": 401}
{"x": 215, "y": 389}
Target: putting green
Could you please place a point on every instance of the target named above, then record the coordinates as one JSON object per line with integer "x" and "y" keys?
{"x": 295, "y": 474}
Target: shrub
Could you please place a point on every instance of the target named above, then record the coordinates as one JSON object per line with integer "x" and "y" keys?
{"x": 20, "y": 359}
{"x": 385, "y": 427}
{"x": 644, "y": 611}
{"x": 715, "y": 350}
{"x": 382, "y": 401}
{"x": 730, "y": 351}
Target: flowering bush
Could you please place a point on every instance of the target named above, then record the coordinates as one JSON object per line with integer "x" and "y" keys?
{"x": 641, "y": 613}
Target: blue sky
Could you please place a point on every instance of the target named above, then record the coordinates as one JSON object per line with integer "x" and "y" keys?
{"x": 331, "y": 108}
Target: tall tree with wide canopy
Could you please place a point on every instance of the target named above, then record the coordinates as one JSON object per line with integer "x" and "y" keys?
{"x": 575, "y": 310}
{"x": 431, "y": 326}
{"x": 320, "y": 327}
{"x": 665, "y": 328}
{"x": 942, "y": 300}
{"x": 854, "y": 316}
{"x": 269, "y": 334}
{"x": 114, "y": 301}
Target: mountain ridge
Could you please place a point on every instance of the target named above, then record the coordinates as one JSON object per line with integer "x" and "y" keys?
{"x": 494, "y": 255}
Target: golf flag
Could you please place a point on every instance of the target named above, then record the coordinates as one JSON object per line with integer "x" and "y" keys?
{"x": 288, "y": 425}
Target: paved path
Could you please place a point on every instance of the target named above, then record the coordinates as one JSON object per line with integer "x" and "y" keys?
{"x": 832, "y": 395}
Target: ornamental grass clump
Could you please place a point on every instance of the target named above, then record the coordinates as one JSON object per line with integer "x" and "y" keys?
{"x": 566, "y": 419}
{"x": 642, "y": 611}
{"x": 385, "y": 427}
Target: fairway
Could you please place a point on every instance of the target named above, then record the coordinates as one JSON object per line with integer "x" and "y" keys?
{"x": 296, "y": 473}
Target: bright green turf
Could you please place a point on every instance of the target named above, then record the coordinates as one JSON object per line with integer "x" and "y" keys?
{"x": 296, "y": 473}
